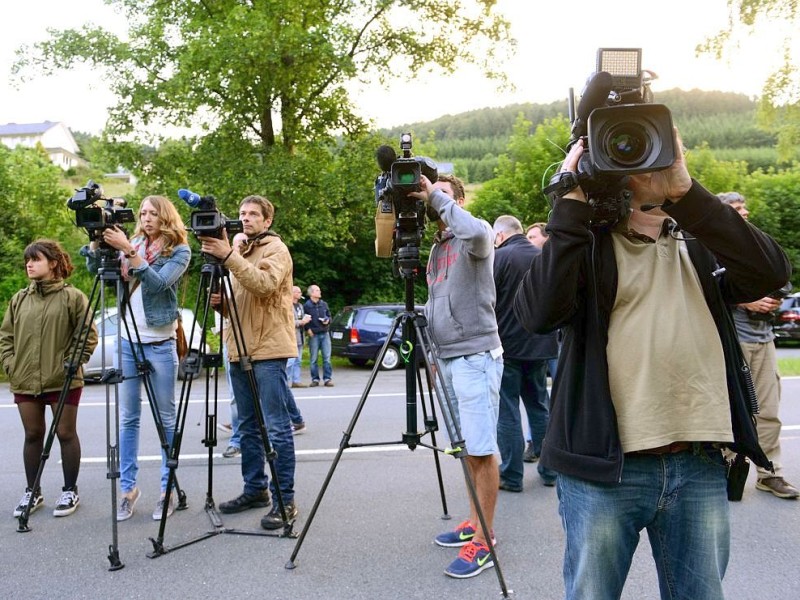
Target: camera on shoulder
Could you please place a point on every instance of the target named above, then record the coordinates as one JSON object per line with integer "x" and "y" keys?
{"x": 623, "y": 131}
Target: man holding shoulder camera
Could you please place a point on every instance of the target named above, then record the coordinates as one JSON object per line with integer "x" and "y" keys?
{"x": 262, "y": 291}
{"x": 754, "y": 327}
{"x": 647, "y": 392}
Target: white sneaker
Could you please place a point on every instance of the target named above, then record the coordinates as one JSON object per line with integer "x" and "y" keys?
{"x": 38, "y": 501}
{"x": 159, "y": 509}
{"x": 68, "y": 503}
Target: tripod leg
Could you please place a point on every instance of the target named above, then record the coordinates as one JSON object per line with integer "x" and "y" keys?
{"x": 431, "y": 425}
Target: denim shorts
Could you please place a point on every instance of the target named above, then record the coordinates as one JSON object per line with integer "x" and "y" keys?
{"x": 473, "y": 384}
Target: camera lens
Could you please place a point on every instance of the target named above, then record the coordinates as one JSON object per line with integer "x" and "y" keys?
{"x": 628, "y": 144}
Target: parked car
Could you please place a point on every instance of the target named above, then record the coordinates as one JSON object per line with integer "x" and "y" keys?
{"x": 93, "y": 370}
{"x": 359, "y": 332}
{"x": 786, "y": 323}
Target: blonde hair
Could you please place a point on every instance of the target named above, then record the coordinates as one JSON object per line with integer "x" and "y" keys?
{"x": 172, "y": 228}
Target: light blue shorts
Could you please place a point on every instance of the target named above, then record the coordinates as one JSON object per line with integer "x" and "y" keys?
{"x": 473, "y": 384}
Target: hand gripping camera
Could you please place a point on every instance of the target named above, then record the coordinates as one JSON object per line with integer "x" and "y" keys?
{"x": 624, "y": 134}
{"x": 92, "y": 216}
{"x": 400, "y": 218}
{"x": 207, "y": 219}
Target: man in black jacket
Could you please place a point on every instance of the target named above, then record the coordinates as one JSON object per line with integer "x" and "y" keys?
{"x": 525, "y": 358}
{"x": 647, "y": 391}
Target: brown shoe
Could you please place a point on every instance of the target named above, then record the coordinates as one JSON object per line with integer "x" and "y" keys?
{"x": 329, "y": 383}
{"x": 299, "y": 384}
{"x": 778, "y": 486}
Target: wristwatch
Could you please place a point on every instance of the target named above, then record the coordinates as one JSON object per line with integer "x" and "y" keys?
{"x": 131, "y": 254}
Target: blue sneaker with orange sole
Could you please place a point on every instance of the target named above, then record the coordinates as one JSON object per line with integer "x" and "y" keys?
{"x": 460, "y": 536}
{"x": 473, "y": 559}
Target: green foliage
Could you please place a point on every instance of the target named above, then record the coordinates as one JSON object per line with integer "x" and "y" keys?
{"x": 34, "y": 206}
{"x": 779, "y": 108}
{"x": 523, "y": 171}
{"x": 717, "y": 176}
{"x": 773, "y": 198}
{"x": 274, "y": 71}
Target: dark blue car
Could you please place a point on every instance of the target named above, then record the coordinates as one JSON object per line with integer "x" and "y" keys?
{"x": 359, "y": 332}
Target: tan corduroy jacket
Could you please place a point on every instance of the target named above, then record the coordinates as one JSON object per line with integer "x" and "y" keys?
{"x": 262, "y": 289}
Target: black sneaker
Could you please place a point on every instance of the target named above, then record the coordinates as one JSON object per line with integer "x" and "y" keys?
{"x": 68, "y": 503}
{"x": 273, "y": 520}
{"x": 246, "y": 501}
{"x": 38, "y": 501}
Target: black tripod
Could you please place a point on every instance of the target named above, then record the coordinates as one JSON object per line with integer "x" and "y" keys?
{"x": 417, "y": 344}
{"x": 108, "y": 274}
{"x": 214, "y": 277}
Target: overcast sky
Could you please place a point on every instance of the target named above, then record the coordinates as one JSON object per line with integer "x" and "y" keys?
{"x": 557, "y": 44}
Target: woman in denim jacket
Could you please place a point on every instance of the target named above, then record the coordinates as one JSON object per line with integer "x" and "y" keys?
{"x": 153, "y": 261}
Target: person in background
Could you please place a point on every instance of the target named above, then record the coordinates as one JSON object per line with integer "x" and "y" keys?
{"x": 536, "y": 234}
{"x": 40, "y": 330}
{"x": 525, "y": 359}
{"x": 318, "y": 337}
{"x": 754, "y": 328}
{"x": 153, "y": 262}
{"x": 301, "y": 319}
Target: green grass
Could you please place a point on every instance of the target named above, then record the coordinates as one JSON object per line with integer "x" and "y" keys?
{"x": 789, "y": 367}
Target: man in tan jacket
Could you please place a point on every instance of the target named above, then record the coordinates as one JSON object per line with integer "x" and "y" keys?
{"x": 262, "y": 291}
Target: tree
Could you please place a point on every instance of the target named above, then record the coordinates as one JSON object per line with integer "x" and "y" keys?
{"x": 274, "y": 70}
{"x": 34, "y": 206}
{"x": 523, "y": 171}
{"x": 779, "y": 109}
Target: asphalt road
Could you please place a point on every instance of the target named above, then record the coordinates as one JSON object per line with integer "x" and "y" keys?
{"x": 372, "y": 536}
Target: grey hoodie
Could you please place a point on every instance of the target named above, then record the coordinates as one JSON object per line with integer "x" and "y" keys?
{"x": 461, "y": 292}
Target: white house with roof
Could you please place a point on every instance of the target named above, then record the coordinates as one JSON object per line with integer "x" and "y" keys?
{"x": 56, "y": 138}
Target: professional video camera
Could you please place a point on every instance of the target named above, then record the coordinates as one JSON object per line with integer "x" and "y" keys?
{"x": 207, "y": 219}
{"x": 624, "y": 134}
{"x": 399, "y": 217}
{"x": 93, "y": 218}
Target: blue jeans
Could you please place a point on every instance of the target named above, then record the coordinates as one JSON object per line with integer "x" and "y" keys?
{"x": 234, "y": 440}
{"x": 164, "y": 361}
{"x": 679, "y": 498}
{"x": 270, "y": 376}
{"x": 293, "y": 366}
{"x": 317, "y": 342}
{"x": 294, "y": 412}
{"x": 526, "y": 379}
{"x": 473, "y": 384}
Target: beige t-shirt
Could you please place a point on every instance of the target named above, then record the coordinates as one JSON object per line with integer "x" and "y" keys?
{"x": 665, "y": 361}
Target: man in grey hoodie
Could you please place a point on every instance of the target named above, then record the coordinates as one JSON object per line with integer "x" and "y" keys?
{"x": 463, "y": 328}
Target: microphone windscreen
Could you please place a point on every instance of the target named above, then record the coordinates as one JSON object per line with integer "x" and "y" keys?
{"x": 595, "y": 94}
{"x": 385, "y": 156}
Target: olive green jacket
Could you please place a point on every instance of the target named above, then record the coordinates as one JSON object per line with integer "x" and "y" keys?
{"x": 40, "y": 328}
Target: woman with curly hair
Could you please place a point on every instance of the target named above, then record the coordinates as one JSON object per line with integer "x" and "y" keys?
{"x": 153, "y": 261}
{"x": 41, "y": 327}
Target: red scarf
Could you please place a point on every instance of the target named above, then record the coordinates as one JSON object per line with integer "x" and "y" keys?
{"x": 148, "y": 250}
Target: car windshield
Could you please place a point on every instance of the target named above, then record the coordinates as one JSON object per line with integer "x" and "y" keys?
{"x": 788, "y": 303}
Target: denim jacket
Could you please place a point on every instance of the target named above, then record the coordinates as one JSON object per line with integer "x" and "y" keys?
{"x": 159, "y": 283}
